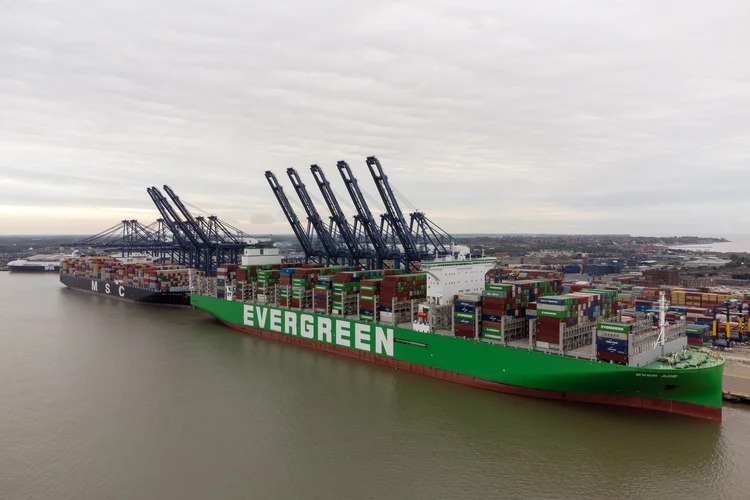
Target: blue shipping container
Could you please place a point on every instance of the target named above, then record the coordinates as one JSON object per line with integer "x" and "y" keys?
{"x": 551, "y": 301}
{"x": 492, "y": 317}
{"x": 610, "y": 341}
{"x": 613, "y": 346}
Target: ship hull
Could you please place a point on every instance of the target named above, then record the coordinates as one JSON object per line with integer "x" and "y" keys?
{"x": 41, "y": 268}
{"x": 693, "y": 392}
{"x": 114, "y": 291}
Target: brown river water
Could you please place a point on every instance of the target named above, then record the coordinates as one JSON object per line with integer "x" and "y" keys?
{"x": 101, "y": 399}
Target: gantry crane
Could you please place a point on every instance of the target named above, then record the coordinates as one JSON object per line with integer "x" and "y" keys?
{"x": 333, "y": 251}
{"x": 196, "y": 253}
{"x": 304, "y": 237}
{"x": 378, "y": 235}
{"x": 130, "y": 236}
{"x": 393, "y": 239}
{"x": 394, "y": 214}
{"x": 358, "y": 250}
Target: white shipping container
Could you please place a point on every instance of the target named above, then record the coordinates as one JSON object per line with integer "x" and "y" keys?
{"x": 552, "y": 307}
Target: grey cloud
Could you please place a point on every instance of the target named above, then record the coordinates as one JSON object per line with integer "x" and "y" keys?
{"x": 510, "y": 116}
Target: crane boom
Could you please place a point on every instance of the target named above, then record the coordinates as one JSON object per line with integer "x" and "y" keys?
{"x": 337, "y": 215}
{"x": 395, "y": 216}
{"x": 176, "y": 218}
{"x": 188, "y": 217}
{"x": 312, "y": 213}
{"x": 169, "y": 222}
{"x": 366, "y": 220}
{"x": 291, "y": 216}
{"x": 430, "y": 234}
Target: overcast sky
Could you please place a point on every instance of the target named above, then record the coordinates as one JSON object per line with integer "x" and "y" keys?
{"x": 587, "y": 116}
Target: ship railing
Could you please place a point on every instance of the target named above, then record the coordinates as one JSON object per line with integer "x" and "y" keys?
{"x": 580, "y": 335}
{"x": 401, "y": 312}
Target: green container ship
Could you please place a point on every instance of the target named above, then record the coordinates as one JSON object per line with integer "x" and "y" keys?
{"x": 681, "y": 380}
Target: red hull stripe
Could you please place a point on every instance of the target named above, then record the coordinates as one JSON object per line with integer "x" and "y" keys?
{"x": 692, "y": 410}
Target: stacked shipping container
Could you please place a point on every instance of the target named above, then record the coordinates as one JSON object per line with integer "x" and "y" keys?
{"x": 697, "y": 334}
{"x": 465, "y": 312}
{"x": 604, "y": 303}
{"x": 155, "y": 277}
{"x": 556, "y": 312}
{"x": 534, "y": 273}
{"x": 305, "y": 283}
{"x": 401, "y": 288}
{"x": 511, "y": 299}
{"x": 612, "y": 340}
{"x": 224, "y": 276}
{"x": 369, "y": 289}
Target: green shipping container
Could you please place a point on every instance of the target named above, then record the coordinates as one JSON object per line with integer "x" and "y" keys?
{"x": 613, "y": 327}
{"x": 552, "y": 314}
{"x": 464, "y": 315}
{"x": 498, "y": 287}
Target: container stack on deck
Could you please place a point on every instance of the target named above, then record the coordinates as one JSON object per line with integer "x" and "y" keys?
{"x": 558, "y": 311}
{"x": 251, "y": 272}
{"x": 511, "y": 299}
{"x": 612, "y": 342}
{"x": 305, "y": 282}
{"x": 344, "y": 286}
{"x": 300, "y": 281}
{"x": 156, "y": 277}
{"x": 604, "y": 303}
{"x": 322, "y": 299}
{"x": 369, "y": 290}
{"x": 465, "y": 314}
{"x": 225, "y": 275}
{"x": 402, "y": 288}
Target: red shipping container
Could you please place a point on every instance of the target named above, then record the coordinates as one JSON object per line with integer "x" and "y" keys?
{"x": 617, "y": 358}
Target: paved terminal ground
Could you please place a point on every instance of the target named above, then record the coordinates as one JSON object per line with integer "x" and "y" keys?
{"x": 737, "y": 374}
